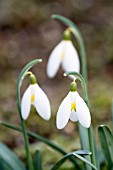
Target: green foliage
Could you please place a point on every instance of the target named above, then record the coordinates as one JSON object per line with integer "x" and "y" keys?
{"x": 8, "y": 160}
{"x": 76, "y": 154}
{"x": 37, "y": 161}
{"x": 106, "y": 140}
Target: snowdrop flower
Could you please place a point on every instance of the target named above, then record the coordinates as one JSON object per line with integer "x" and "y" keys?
{"x": 63, "y": 54}
{"x": 36, "y": 97}
{"x": 74, "y": 108}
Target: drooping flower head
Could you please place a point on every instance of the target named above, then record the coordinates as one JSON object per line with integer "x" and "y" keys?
{"x": 63, "y": 54}
{"x": 74, "y": 108}
{"x": 35, "y": 96}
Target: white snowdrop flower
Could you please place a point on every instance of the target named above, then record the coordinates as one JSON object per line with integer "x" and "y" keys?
{"x": 74, "y": 108}
{"x": 63, "y": 54}
{"x": 35, "y": 96}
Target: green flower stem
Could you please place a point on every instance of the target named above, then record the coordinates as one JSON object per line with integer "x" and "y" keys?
{"x": 19, "y": 83}
{"x": 44, "y": 140}
{"x": 28, "y": 155}
{"x": 26, "y": 142}
{"x": 85, "y": 96}
{"x": 91, "y": 142}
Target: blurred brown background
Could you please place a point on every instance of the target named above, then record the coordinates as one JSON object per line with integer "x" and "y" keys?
{"x": 28, "y": 32}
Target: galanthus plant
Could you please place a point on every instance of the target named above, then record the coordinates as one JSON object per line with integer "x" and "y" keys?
{"x": 35, "y": 96}
{"x": 63, "y": 54}
{"x": 74, "y": 108}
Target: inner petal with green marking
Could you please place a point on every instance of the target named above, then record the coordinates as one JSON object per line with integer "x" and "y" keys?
{"x": 73, "y": 106}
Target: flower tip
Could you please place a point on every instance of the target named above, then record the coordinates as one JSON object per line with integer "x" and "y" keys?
{"x": 102, "y": 125}
{"x": 50, "y": 75}
{"x": 53, "y": 16}
{"x": 65, "y": 74}
{"x": 48, "y": 117}
{"x": 40, "y": 60}
{"x": 87, "y": 125}
{"x": 59, "y": 127}
{"x": 24, "y": 117}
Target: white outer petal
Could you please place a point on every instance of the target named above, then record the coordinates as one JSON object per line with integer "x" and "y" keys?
{"x": 26, "y": 103}
{"x": 55, "y": 60}
{"x": 83, "y": 112}
{"x": 41, "y": 103}
{"x": 71, "y": 60}
{"x": 64, "y": 112}
{"x": 73, "y": 116}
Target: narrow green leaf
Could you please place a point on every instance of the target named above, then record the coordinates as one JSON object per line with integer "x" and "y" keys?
{"x": 85, "y": 143}
{"x": 37, "y": 161}
{"x": 106, "y": 140}
{"x": 83, "y": 152}
{"x": 98, "y": 154}
{"x": 2, "y": 164}
{"x": 10, "y": 159}
{"x": 62, "y": 160}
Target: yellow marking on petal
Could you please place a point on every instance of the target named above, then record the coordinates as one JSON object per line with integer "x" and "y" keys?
{"x": 32, "y": 98}
{"x": 62, "y": 56}
{"x": 73, "y": 106}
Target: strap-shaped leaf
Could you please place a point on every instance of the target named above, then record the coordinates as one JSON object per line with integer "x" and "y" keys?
{"x": 106, "y": 140}
{"x": 2, "y": 165}
{"x": 10, "y": 159}
{"x": 37, "y": 161}
{"x": 75, "y": 154}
